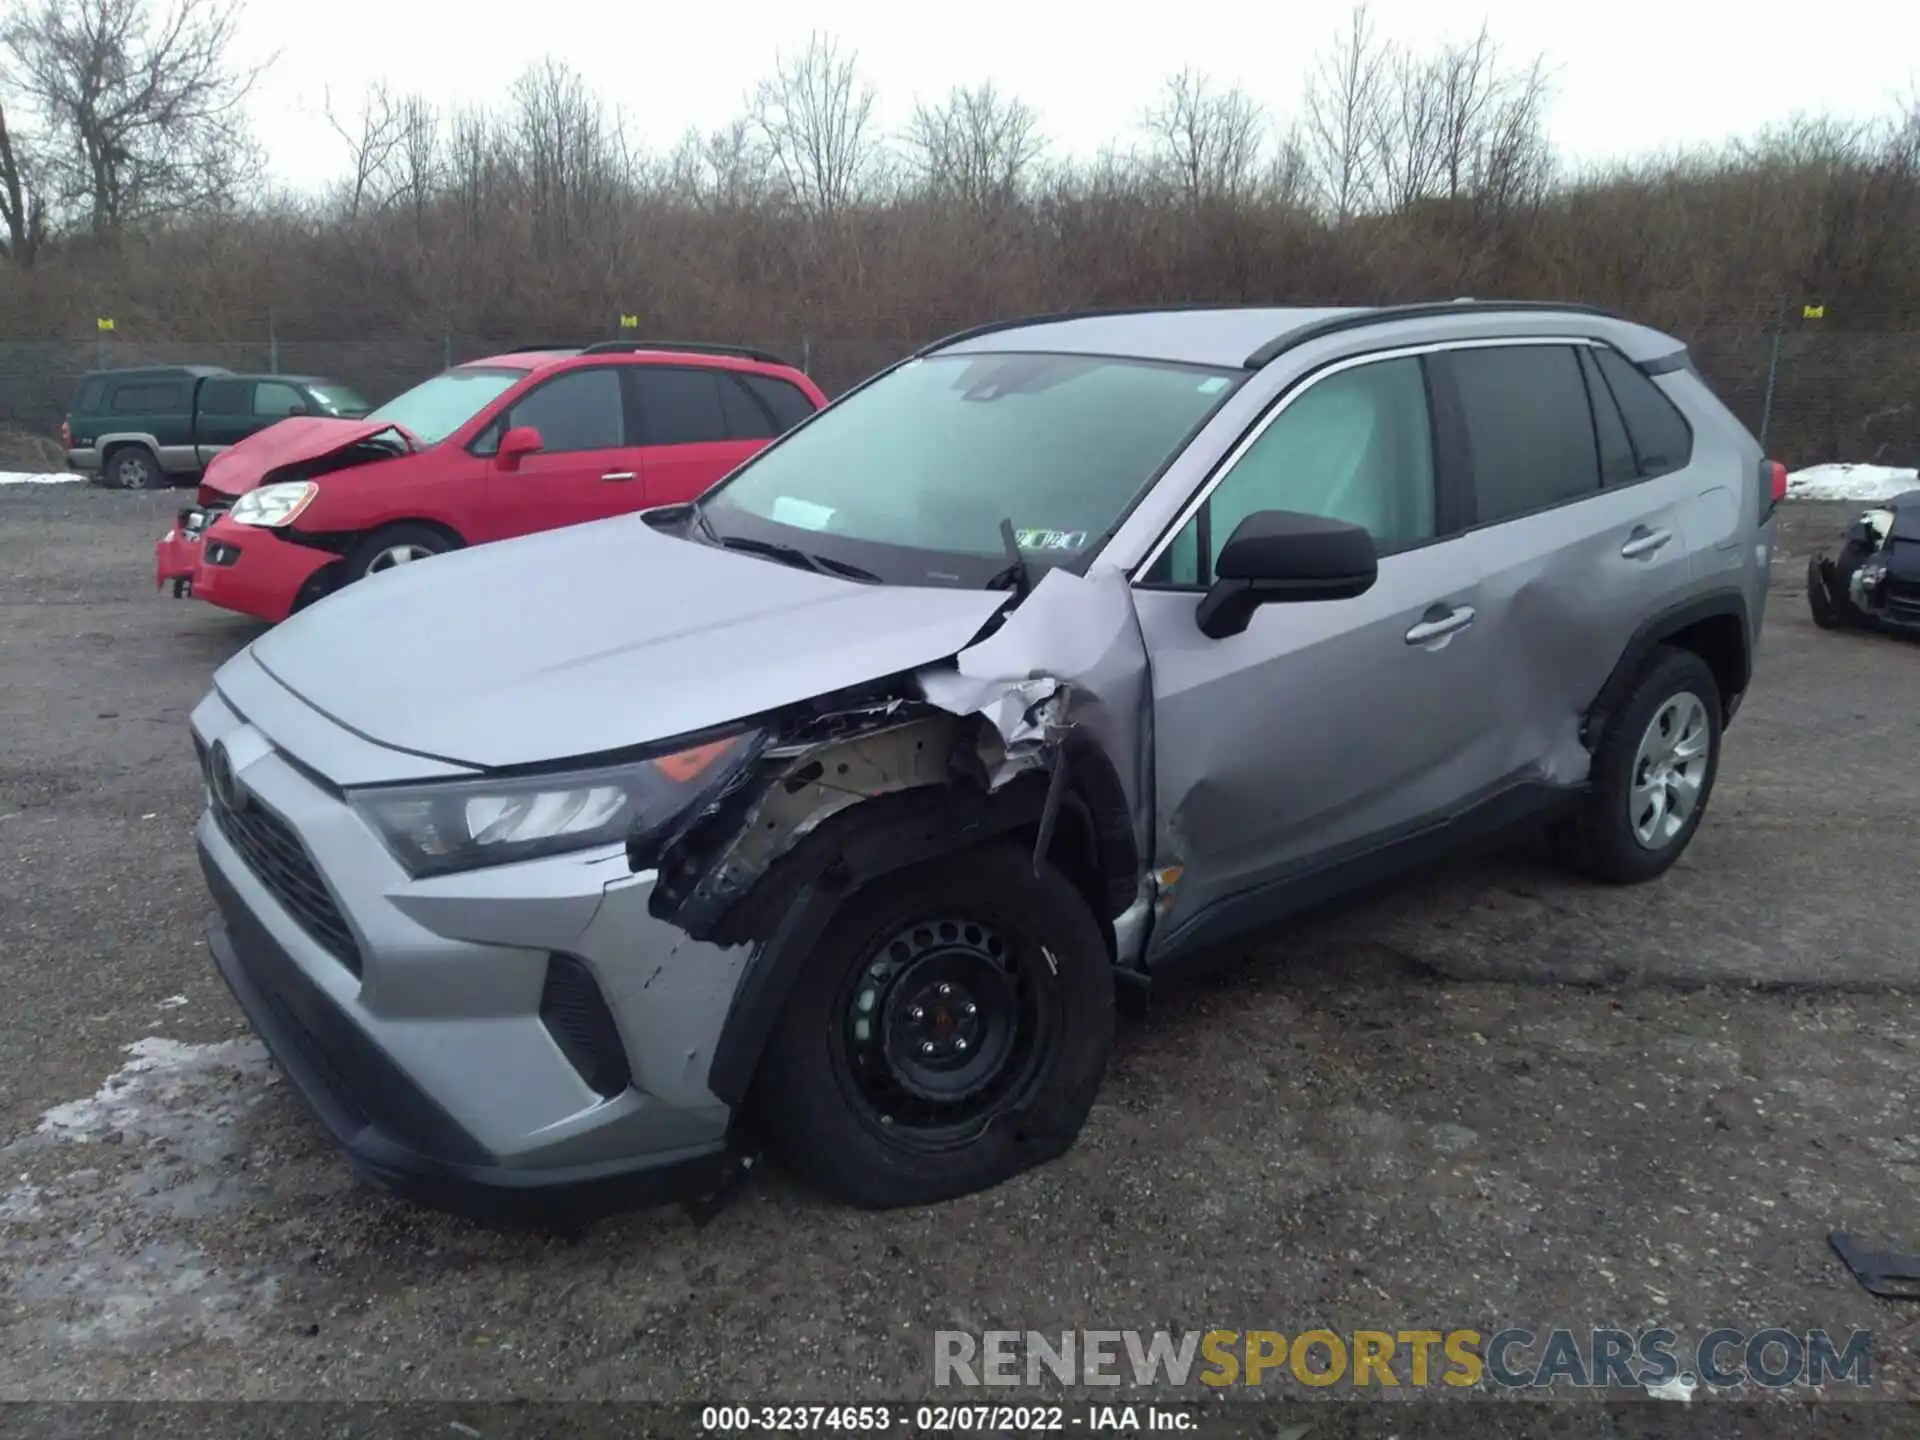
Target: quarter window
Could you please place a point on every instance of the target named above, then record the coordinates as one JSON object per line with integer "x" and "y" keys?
{"x": 1356, "y": 446}
{"x": 1529, "y": 427}
{"x": 1662, "y": 439}
{"x": 788, "y": 403}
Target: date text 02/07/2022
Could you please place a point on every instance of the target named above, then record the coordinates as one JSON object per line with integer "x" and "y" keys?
{"x": 948, "y": 1419}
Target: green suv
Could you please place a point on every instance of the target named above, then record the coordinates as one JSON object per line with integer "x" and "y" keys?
{"x": 146, "y": 429}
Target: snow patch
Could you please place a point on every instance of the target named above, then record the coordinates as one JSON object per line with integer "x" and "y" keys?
{"x": 143, "y": 1096}
{"x": 1680, "y": 1387}
{"x": 21, "y": 477}
{"x": 1851, "y": 482}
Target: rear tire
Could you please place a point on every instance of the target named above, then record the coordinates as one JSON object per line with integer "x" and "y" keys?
{"x": 1653, "y": 773}
{"x": 134, "y": 467}
{"x": 949, "y": 1032}
{"x": 395, "y": 545}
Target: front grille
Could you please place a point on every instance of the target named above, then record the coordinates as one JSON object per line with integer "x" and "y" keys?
{"x": 280, "y": 862}
{"x": 1901, "y": 597}
{"x": 577, "y": 1017}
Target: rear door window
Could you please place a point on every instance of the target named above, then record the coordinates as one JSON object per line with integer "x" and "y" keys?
{"x": 1617, "y": 463}
{"x": 223, "y": 397}
{"x": 1529, "y": 427}
{"x": 680, "y": 406}
{"x": 149, "y": 398}
{"x": 1662, "y": 439}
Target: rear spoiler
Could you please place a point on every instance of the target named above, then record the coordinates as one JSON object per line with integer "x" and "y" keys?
{"x": 1681, "y": 359}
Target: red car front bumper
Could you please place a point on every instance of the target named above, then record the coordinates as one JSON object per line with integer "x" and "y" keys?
{"x": 246, "y": 568}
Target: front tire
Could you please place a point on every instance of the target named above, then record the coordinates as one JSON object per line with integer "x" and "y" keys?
{"x": 1653, "y": 773}
{"x": 949, "y": 1031}
{"x": 396, "y": 545}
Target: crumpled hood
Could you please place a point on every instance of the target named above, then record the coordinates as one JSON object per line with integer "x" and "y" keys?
{"x": 297, "y": 439}
{"x": 595, "y": 638}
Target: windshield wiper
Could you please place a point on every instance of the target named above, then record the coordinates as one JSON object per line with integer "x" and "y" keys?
{"x": 1016, "y": 574}
{"x": 794, "y": 555}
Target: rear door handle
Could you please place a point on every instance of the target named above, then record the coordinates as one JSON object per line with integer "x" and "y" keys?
{"x": 1440, "y": 622}
{"x": 620, "y": 475}
{"x": 1644, "y": 542}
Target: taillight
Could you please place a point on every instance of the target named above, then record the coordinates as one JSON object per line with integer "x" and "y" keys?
{"x": 1775, "y": 476}
{"x": 66, "y": 433}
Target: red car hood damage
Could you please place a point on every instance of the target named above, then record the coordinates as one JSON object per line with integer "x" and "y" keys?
{"x": 305, "y": 441}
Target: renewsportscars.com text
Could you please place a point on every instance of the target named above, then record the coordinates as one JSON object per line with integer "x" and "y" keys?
{"x": 1508, "y": 1359}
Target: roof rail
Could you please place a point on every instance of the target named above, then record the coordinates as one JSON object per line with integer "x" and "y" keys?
{"x": 540, "y": 350}
{"x": 1054, "y": 317}
{"x": 1425, "y": 311}
{"x": 689, "y": 347}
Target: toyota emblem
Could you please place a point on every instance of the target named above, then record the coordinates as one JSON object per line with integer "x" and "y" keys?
{"x": 220, "y": 778}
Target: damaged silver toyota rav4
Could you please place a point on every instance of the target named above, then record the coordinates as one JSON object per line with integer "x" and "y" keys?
{"x": 829, "y": 813}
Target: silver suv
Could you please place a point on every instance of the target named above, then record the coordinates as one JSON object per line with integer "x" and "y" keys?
{"x": 835, "y": 808}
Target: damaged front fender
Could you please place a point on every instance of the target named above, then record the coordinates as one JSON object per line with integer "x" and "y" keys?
{"x": 1044, "y": 726}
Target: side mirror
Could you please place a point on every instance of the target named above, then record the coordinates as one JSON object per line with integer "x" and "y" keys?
{"x": 297, "y": 410}
{"x": 1282, "y": 556}
{"x": 518, "y": 443}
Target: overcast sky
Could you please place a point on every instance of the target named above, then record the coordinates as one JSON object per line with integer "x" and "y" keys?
{"x": 1628, "y": 75}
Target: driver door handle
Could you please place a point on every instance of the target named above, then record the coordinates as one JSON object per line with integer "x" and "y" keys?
{"x": 620, "y": 475}
{"x": 1644, "y": 542}
{"x": 1439, "y": 622}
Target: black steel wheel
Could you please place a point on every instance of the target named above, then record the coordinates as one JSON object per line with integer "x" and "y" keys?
{"x": 949, "y": 1032}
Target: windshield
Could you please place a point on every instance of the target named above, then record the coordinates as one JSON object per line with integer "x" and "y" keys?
{"x": 339, "y": 400}
{"x": 931, "y": 458}
{"x": 434, "y": 410}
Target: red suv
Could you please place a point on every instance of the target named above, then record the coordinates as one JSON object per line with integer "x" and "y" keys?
{"x": 530, "y": 440}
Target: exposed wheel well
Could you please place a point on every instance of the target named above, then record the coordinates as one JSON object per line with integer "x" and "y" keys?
{"x": 1721, "y": 641}
{"x": 452, "y": 536}
{"x": 1713, "y": 628}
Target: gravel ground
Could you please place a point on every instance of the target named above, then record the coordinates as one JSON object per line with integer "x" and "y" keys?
{"x": 1491, "y": 1098}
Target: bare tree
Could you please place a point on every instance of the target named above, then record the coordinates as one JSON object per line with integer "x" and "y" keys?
{"x": 1205, "y": 143}
{"x": 1458, "y": 126}
{"x": 566, "y": 153}
{"x": 143, "y": 107}
{"x": 977, "y": 146}
{"x": 814, "y": 114}
{"x": 22, "y": 209}
{"x": 1339, "y": 123}
{"x": 372, "y": 137}
{"x": 726, "y": 169}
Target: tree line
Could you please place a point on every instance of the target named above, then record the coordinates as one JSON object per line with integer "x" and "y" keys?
{"x": 129, "y": 181}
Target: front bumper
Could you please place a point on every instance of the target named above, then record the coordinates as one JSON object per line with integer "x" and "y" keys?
{"x": 245, "y": 568}
{"x": 411, "y": 1015}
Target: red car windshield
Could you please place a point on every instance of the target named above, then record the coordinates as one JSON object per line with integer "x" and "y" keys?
{"x": 433, "y": 410}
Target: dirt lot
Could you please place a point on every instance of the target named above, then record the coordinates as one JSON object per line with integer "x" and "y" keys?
{"x": 1492, "y": 1098}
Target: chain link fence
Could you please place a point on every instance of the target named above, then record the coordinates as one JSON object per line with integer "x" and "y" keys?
{"x": 1812, "y": 394}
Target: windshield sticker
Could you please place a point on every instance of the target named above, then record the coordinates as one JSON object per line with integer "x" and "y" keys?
{"x": 1213, "y": 385}
{"x": 1060, "y": 541}
{"x": 802, "y": 514}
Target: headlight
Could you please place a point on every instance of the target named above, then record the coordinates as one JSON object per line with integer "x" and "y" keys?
{"x": 273, "y": 505}
{"x": 436, "y": 829}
